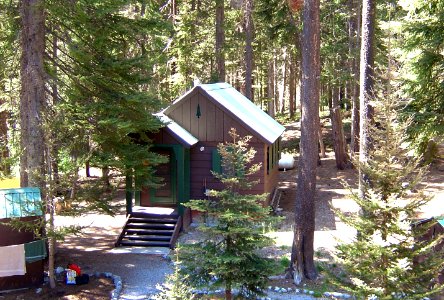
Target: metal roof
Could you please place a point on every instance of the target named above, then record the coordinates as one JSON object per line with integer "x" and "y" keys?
{"x": 178, "y": 131}
{"x": 246, "y": 111}
{"x": 242, "y": 108}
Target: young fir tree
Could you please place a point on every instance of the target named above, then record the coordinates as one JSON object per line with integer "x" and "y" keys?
{"x": 176, "y": 286}
{"x": 382, "y": 262}
{"x": 228, "y": 257}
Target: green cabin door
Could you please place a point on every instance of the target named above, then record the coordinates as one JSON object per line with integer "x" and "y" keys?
{"x": 166, "y": 194}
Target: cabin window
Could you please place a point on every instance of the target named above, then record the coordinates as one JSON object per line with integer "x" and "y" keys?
{"x": 216, "y": 164}
{"x": 273, "y": 155}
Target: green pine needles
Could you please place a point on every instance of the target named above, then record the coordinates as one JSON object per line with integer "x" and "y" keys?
{"x": 176, "y": 286}
{"x": 228, "y": 256}
{"x": 389, "y": 258}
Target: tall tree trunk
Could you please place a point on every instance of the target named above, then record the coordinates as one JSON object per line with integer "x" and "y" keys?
{"x": 51, "y": 241}
{"x": 275, "y": 82}
{"x": 220, "y": 40}
{"x": 32, "y": 95}
{"x": 294, "y": 68}
{"x": 339, "y": 144}
{"x": 270, "y": 88}
{"x": 4, "y": 152}
{"x": 354, "y": 28}
{"x": 302, "y": 263}
{"x": 55, "y": 95}
{"x": 321, "y": 142}
{"x": 49, "y": 216}
{"x": 366, "y": 85}
{"x": 283, "y": 85}
{"x": 292, "y": 87}
{"x": 249, "y": 30}
{"x": 106, "y": 177}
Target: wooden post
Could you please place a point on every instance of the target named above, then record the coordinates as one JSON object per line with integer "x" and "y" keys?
{"x": 180, "y": 156}
{"x": 129, "y": 192}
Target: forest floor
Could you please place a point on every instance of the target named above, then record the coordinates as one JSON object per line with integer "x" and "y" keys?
{"x": 92, "y": 250}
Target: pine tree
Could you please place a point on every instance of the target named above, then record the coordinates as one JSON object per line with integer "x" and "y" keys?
{"x": 302, "y": 252}
{"x": 423, "y": 31}
{"x": 99, "y": 59}
{"x": 382, "y": 261}
{"x": 228, "y": 256}
{"x": 109, "y": 94}
{"x": 176, "y": 286}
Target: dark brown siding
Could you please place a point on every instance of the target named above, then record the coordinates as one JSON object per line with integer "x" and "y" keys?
{"x": 163, "y": 137}
{"x": 431, "y": 233}
{"x": 201, "y": 176}
{"x": 34, "y": 271}
{"x": 270, "y": 179}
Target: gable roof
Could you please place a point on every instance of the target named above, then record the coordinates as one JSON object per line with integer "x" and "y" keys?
{"x": 186, "y": 138}
{"x": 242, "y": 109}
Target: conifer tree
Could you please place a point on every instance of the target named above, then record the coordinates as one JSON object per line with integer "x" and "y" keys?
{"x": 176, "y": 286}
{"x": 100, "y": 58}
{"x": 107, "y": 103}
{"x": 228, "y": 256}
{"x": 423, "y": 31}
{"x": 382, "y": 261}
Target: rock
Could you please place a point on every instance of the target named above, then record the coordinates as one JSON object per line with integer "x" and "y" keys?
{"x": 114, "y": 295}
{"x": 167, "y": 257}
{"x": 117, "y": 280}
{"x": 336, "y": 295}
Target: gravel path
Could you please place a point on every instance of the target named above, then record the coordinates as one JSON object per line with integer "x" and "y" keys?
{"x": 276, "y": 296}
{"x": 140, "y": 275}
{"x": 94, "y": 252}
{"x": 141, "y": 272}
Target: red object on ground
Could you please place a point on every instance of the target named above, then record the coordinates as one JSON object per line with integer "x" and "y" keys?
{"x": 76, "y": 268}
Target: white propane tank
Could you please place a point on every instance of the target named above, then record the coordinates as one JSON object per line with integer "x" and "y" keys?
{"x": 286, "y": 162}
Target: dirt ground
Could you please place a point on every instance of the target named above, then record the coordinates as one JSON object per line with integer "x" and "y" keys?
{"x": 91, "y": 248}
{"x": 96, "y": 289}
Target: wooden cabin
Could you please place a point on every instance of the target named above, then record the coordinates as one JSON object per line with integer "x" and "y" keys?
{"x": 435, "y": 229}
{"x": 195, "y": 124}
